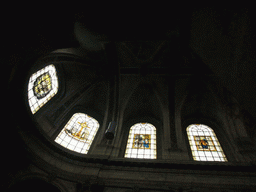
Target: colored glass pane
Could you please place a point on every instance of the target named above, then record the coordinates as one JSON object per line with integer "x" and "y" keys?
{"x": 141, "y": 142}
{"x": 78, "y": 134}
{"x": 204, "y": 143}
{"x": 42, "y": 86}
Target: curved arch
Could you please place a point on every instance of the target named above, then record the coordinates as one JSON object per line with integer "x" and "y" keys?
{"x": 126, "y": 98}
{"x": 42, "y": 86}
{"x": 24, "y": 180}
{"x": 204, "y": 143}
{"x": 34, "y": 184}
{"x": 78, "y": 134}
{"x": 143, "y": 100}
{"x": 141, "y": 142}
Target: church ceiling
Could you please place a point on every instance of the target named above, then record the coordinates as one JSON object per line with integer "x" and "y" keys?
{"x": 172, "y": 44}
{"x": 146, "y": 74}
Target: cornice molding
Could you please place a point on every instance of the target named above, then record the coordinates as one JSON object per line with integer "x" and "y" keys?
{"x": 145, "y": 173}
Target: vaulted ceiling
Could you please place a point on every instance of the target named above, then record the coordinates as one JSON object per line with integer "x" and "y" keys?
{"x": 178, "y": 42}
{"x": 220, "y": 41}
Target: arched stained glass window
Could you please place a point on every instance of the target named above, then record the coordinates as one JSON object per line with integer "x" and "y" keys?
{"x": 42, "y": 86}
{"x": 141, "y": 141}
{"x": 204, "y": 143}
{"x": 78, "y": 133}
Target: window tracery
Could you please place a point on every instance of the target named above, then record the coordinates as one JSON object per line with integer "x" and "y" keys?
{"x": 42, "y": 86}
{"x": 78, "y": 134}
{"x": 204, "y": 143}
{"x": 141, "y": 142}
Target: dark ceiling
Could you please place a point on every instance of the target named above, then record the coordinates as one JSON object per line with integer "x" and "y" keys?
{"x": 221, "y": 40}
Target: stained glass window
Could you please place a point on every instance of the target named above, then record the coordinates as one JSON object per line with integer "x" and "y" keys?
{"x": 78, "y": 133}
{"x": 42, "y": 86}
{"x": 204, "y": 143}
{"x": 141, "y": 141}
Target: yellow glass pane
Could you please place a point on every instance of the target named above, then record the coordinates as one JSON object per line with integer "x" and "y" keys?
{"x": 204, "y": 143}
{"x": 78, "y": 133}
{"x": 141, "y": 141}
{"x": 42, "y": 86}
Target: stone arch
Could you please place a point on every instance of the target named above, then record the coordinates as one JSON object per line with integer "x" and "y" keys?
{"x": 34, "y": 181}
{"x": 143, "y": 100}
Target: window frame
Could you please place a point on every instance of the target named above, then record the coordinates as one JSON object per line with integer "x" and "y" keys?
{"x": 61, "y": 128}
{"x": 47, "y": 97}
{"x": 40, "y": 64}
{"x": 65, "y": 119}
{"x": 212, "y": 134}
{"x": 220, "y": 134}
{"x": 152, "y": 138}
{"x": 125, "y": 135}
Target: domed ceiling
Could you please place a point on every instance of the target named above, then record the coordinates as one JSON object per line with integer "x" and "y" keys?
{"x": 117, "y": 73}
{"x": 126, "y": 66}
